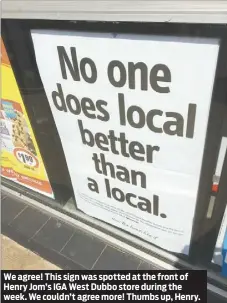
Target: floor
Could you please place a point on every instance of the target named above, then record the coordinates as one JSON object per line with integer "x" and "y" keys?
{"x": 17, "y": 257}
{"x": 59, "y": 242}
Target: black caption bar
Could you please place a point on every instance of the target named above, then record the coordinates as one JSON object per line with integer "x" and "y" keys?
{"x": 87, "y": 286}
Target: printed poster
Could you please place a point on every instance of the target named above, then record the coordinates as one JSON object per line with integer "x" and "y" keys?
{"x": 132, "y": 114}
{"x": 21, "y": 161}
{"x": 217, "y": 257}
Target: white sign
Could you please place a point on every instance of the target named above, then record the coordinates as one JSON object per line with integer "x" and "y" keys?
{"x": 217, "y": 257}
{"x": 132, "y": 114}
{"x": 221, "y": 157}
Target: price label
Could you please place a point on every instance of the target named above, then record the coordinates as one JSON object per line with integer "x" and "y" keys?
{"x": 26, "y": 157}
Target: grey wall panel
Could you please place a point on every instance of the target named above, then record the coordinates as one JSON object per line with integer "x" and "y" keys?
{"x": 193, "y": 11}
